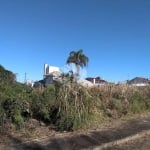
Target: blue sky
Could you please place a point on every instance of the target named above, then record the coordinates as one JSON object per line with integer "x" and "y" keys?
{"x": 114, "y": 34}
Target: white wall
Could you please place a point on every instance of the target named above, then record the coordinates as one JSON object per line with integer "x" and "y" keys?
{"x": 52, "y": 69}
{"x": 49, "y": 69}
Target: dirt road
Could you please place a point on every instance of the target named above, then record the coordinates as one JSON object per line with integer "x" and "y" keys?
{"x": 142, "y": 143}
{"x": 91, "y": 139}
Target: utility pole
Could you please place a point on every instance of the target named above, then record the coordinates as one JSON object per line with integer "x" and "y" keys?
{"x": 25, "y": 77}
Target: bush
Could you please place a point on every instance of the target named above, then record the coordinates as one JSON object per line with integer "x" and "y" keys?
{"x": 67, "y": 105}
{"x": 18, "y": 120}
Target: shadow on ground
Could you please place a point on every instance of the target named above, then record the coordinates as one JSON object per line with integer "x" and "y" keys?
{"x": 84, "y": 141}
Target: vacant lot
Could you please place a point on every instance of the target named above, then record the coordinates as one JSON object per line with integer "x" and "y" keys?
{"x": 139, "y": 144}
{"x": 89, "y": 138}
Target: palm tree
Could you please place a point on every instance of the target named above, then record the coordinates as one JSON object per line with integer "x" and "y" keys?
{"x": 79, "y": 59}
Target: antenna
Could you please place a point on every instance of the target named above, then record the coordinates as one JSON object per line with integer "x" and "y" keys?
{"x": 25, "y": 77}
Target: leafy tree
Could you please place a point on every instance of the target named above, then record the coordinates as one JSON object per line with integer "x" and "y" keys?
{"x": 79, "y": 59}
{"x": 6, "y": 76}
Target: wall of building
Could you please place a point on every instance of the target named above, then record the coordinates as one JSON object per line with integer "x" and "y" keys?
{"x": 49, "y": 69}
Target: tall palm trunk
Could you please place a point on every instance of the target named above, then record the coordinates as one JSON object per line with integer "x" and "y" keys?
{"x": 77, "y": 73}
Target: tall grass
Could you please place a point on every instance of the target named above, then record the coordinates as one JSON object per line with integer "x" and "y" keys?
{"x": 80, "y": 106}
{"x": 70, "y": 106}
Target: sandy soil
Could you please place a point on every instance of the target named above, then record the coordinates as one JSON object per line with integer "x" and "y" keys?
{"x": 139, "y": 144}
{"x": 43, "y": 138}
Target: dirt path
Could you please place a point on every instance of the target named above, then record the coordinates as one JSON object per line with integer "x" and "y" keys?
{"x": 89, "y": 140}
{"x": 139, "y": 144}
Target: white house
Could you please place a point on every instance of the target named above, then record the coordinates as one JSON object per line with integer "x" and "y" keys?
{"x": 51, "y": 73}
{"x": 139, "y": 81}
{"x": 50, "y": 69}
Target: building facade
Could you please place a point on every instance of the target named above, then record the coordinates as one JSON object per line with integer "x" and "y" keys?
{"x": 50, "y": 69}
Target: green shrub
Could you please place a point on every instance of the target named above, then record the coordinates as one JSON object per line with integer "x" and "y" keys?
{"x": 66, "y": 104}
{"x": 18, "y": 120}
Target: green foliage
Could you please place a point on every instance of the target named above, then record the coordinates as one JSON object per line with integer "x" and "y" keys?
{"x": 79, "y": 59}
{"x": 139, "y": 102}
{"x": 64, "y": 122}
{"x": 67, "y": 105}
{"x": 18, "y": 120}
{"x": 2, "y": 117}
{"x": 6, "y": 76}
{"x": 13, "y": 112}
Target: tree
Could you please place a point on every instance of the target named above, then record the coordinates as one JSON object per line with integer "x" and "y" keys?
{"x": 79, "y": 59}
{"x": 6, "y": 75}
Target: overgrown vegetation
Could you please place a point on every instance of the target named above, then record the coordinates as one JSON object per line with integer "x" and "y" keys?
{"x": 67, "y": 105}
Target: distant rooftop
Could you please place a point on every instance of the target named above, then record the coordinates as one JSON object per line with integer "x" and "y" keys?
{"x": 138, "y": 80}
